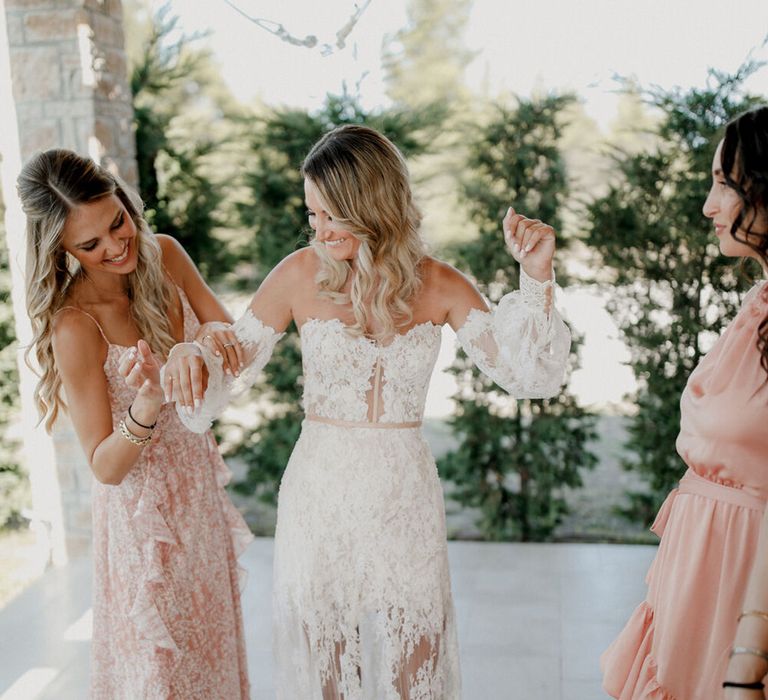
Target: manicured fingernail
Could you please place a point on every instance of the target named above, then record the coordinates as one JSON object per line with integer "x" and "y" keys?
{"x": 509, "y": 211}
{"x": 237, "y": 374}
{"x": 217, "y": 353}
{"x": 528, "y": 248}
{"x": 197, "y": 403}
{"x": 515, "y": 247}
{"x": 241, "y": 365}
{"x": 522, "y": 254}
{"x": 228, "y": 371}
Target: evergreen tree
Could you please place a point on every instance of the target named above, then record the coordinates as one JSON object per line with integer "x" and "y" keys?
{"x": 425, "y": 60}
{"x": 276, "y": 213}
{"x": 424, "y": 64}
{"x": 673, "y": 291}
{"x": 514, "y": 456}
{"x": 180, "y": 120}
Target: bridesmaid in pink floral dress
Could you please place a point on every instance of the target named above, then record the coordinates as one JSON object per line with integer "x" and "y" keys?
{"x": 676, "y": 645}
{"x": 166, "y": 605}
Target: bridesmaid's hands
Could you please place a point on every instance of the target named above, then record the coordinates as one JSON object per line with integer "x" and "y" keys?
{"x": 219, "y": 337}
{"x": 186, "y": 376}
{"x": 532, "y": 244}
{"x": 141, "y": 371}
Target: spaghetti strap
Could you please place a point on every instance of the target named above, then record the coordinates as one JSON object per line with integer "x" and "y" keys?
{"x": 85, "y": 313}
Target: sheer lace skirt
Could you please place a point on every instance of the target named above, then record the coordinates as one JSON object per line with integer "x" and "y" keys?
{"x": 362, "y": 607}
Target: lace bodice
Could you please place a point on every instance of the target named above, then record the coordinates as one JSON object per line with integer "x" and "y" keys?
{"x": 520, "y": 345}
{"x": 357, "y": 379}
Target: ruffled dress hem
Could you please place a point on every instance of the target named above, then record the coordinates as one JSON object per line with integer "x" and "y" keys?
{"x": 153, "y": 531}
{"x": 629, "y": 670}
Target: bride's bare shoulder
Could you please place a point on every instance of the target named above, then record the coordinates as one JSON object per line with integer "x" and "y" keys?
{"x": 297, "y": 268}
{"x": 448, "y": 293}
{"x": 441, "y": 277}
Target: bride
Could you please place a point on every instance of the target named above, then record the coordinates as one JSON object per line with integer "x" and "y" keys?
{"x": 362, "y": 599}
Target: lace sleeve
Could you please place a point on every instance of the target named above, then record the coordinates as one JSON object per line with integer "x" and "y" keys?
{"x": 258, "y": 341}
{"x": 519, "y": 345}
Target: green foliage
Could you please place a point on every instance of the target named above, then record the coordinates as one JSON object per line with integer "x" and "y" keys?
{"x": 674, "y": 292}
{"x": 13, "y": 481}
{"x": 419, "y": 50}
{"x": 514, "y": 457}
{"x": 175, "y": 155}
{"x": 275, "y": 212}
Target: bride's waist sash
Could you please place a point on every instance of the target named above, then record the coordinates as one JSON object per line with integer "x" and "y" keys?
{"x": 362, "y": 424}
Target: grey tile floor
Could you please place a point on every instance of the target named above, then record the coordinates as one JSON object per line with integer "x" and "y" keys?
{"x": 533, "y": 619}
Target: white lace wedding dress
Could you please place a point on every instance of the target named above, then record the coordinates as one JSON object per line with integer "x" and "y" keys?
{"x": 362, "y": 596}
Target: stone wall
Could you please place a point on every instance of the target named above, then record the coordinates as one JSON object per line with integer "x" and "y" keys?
{"x": 70, "y": 82}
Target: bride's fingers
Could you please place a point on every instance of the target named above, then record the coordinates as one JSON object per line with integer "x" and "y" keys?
{"x": 523, "y": 233}
{"x": 532, "y": 236}
{"x": 512, "y": 227}
{"x": 229, "y": 353}
{"x": 209, "y": 341}
{"x": 237, "y": 350}
{"x": 196, "y": 381}
{"x": 184, "y": 389}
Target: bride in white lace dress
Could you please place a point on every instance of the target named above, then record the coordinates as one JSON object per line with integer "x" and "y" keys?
{"x": 362, "y": 596}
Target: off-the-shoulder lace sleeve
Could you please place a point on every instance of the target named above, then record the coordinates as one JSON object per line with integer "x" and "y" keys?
{"x": 258, "y": 341}
{"x": 520, "y": 345}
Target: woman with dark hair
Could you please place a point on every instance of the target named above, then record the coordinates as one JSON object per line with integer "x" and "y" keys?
{"x": 362, "y": 599}
{"x": 108, "y": 299}
{"x": 677, "y": 644}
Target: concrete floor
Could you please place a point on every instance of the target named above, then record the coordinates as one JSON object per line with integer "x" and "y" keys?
{"x": 533, "y": 619}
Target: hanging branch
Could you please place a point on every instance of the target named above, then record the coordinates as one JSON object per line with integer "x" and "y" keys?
{"x": 310, "y": 41}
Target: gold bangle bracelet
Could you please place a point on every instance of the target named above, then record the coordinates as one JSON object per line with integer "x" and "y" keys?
{"x": 133, "y": 439}
{"x": 754, "y": 613}
{"x": 751, "y": 651}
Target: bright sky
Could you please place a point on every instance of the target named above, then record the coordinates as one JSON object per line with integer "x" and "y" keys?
{"x": 569, "y": 44}
{"x": 577, "y": 45}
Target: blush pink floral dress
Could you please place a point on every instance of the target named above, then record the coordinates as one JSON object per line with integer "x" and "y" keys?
{"x": 167, "y": 621}
{"x": 675, "y": 646}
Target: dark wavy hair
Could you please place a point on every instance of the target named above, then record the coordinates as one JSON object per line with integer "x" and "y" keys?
{"x": 744, "y": 159}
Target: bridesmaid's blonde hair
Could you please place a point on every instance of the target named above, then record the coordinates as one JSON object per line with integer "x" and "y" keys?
{"x": 362, "y": 180}
{"x": 50, "y": 186}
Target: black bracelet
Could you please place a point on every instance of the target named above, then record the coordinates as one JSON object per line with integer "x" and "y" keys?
{"x": 141, "y": 425}
{"x": 755, "y": 685}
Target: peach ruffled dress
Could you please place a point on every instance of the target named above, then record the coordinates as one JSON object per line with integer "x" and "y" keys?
{"x": 675, "y": 645}
{"x": 167, "y": 622}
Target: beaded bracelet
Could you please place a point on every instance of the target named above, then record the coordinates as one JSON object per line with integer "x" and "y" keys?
{"x": 134, "y": 439}
{"x": 750, "y": 650}
{"x": 141, "y": 425}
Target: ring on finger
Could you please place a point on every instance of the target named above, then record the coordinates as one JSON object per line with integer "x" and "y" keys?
{"x": 228, "y": 345}
{"x": 206, "y": 336}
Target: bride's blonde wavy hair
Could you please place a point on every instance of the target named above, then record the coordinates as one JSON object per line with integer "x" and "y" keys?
{"x": 50, "y": 186}
{"x": 363, "y": 182}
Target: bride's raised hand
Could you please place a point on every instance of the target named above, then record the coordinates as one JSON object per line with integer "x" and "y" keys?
{"x": 531, "y": 242}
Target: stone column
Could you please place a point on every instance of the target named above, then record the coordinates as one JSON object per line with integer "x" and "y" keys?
{"x": 63, "y": 83}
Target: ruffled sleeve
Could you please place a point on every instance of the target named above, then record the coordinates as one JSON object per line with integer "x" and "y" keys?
{"x": 521, "y": 344}
{"x": 258, "y": 342}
